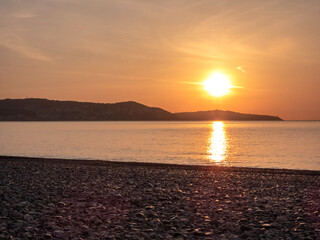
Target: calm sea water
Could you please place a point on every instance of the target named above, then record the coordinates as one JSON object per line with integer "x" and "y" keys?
{"x": 289, "y": 144}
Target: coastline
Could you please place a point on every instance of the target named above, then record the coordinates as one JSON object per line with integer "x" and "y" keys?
{"x": 90, "y": 199}
{"x": 163, "y": 165}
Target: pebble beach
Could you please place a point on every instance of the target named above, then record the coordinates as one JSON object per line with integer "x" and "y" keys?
{"x": 82, "y": 199}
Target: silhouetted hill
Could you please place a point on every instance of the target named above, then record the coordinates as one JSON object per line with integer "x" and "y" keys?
{"x": 32, "y": 109}
{"x": 35, "y": 109}
{"x": 223, "y": 115}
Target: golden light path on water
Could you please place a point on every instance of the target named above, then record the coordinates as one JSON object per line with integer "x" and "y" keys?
{"x": 217, "y": 149}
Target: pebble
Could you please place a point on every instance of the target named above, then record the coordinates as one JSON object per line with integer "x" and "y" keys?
{"x": 47, "y": 236}
{"x": 58, "y": 233}
{"x": 98, "y": 200}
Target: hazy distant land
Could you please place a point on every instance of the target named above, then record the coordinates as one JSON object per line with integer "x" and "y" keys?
{"x": 35, "y": 109}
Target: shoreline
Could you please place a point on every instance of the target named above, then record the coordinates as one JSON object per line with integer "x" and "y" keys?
{"x": 85, "y": 199}
{"x": 164, "y": 165}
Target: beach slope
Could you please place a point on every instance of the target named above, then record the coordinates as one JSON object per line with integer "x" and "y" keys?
{"x": 71, "y": 199}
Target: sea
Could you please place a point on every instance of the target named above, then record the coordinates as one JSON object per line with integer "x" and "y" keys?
{"x": 258, "y": 144}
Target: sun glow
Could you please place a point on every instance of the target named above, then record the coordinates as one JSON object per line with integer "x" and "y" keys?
{"x": 218, "y": 84}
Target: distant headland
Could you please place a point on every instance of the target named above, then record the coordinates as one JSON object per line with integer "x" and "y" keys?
{"x": 37, "y": 109}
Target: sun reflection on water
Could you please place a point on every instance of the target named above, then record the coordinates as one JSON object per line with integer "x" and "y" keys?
{"x": 217, "y": 149}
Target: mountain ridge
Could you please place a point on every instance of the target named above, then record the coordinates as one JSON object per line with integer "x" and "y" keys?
{"x": 41, "y": 109}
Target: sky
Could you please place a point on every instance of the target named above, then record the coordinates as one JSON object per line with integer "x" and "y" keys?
{"x": 159, "y": 52}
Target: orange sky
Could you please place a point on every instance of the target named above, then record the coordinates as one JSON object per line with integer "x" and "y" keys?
{"x": 150, "y": 52}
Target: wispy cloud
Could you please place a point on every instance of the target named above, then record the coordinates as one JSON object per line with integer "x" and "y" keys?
{"x": 24, "y": 49}
{"x": 103, "y": 75}
{"x": 240, "y": 68}
{"x": 192, "y": 83}
{"x": 24, "y": 15}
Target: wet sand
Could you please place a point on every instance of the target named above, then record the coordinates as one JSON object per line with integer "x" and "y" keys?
{"x": 80, "y": 199}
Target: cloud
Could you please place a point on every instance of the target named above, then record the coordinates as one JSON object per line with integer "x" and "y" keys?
{"x": 107, "y": 76}
{"x": 24, "y": 15}
{"x": 240, "y": 68}
{"x": 24, "y": 49}
{"x": 17, "y": 34}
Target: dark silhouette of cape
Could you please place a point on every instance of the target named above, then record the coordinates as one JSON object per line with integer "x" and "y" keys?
{"x": 223, "y": 115}
{"x": 36, "y": 109}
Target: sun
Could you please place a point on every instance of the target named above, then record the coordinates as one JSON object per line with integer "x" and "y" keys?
{"x": 218, "y": 84}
